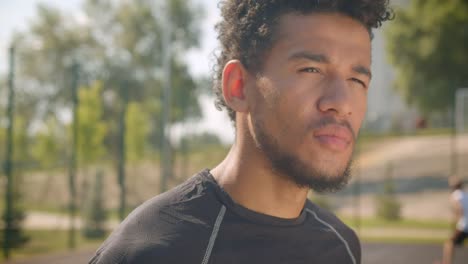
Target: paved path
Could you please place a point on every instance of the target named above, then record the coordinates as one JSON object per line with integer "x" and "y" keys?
{"x": 375, "y": 253}
{"x": 79, "y": 257}
{"x": 49, "y": 221}
{"x": 410, "y": 147}
{"x": 410, "y": 253}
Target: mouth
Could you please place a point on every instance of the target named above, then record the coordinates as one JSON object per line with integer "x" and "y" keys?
{"x": 334, "y": 137}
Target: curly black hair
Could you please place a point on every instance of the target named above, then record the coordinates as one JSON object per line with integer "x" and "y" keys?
{"x": 246, "y": 32}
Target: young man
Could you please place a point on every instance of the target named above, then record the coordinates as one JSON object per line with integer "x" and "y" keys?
{"x": 294, "y": 76}
{"x": 459, "y": 201}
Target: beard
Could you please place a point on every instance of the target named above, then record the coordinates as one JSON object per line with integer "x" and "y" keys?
{"x": 302, "y": 174}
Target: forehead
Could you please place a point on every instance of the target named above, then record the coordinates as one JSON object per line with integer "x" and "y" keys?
{"x": 337, "y": 36}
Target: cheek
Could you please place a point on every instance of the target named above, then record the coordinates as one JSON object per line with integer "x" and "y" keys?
{"x": 278, "y": 111}
{"x": 360, "y": 111}
{"x": 295, "y": 109}
{"x": 268, "y": 91}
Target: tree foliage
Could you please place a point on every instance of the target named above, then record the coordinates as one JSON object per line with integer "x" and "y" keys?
{"x": 201, "y": 141}
{"x": 47, "y": 148}
{"x": 21, "y": 144}
{"x": 47, "y": 50}
{"x": 92, "y": 128}
{"x": 17, "y": 236}
{"x": 20, "y": 156}
{"x": 21, "y": 153}
{"x": 387, "y": 205}
{"x": 119, "y": 43}
{"x": 427, "y": 46}
{"x": 96, "y": 214}
{"x": 137, "y": 132}
{"x": 116, "y": 43}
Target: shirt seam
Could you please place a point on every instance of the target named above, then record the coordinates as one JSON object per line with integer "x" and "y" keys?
{"x": 348, "y": 249}
{"x": 214, "y": 234}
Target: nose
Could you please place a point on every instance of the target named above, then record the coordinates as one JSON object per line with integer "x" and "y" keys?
{"x": 336, "y": 98}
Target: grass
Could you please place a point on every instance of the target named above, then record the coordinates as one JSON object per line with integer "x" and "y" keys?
{"x": 42, "y": 242}
{"x": 51, "y": 209}
{"x": 113, "y": 214}
{"x": 397, "y": 231}
{"x": 445, "y": 131}
{"x": 402, "y": 240}
{"x": 367, "y": 140}
{"x": 420, "y": 132}
{"x": 403, "y": 223}
{"x": 43, "y": 208}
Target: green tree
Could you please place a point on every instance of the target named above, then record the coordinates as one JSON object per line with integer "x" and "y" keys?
{"x": 48, "y": 152}
{"x": 96, "y": 213}
{"x": 388, "y": 207}
{"x": 137, "y": 126}
{"x": 120, "y": 43}
{"x": 201, "y": 141}
{"x": 92, "y": 128}
{"x": 2, "y": 143}
{"x": 17, "y": 236}
{"x": 47, "y": 50}
{"x": 199, "y": 150}
{"x": 20, "y": 158}
{"x": 47, "y": 148}
{"x": 427, "y": 46}
{"x": 137, "y": 56}
{"x": 21, "y": 154}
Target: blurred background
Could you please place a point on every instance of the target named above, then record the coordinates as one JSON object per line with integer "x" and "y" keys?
{"x": 107, "y": 103}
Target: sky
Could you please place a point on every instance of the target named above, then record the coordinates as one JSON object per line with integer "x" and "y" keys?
{"x": 16, "y": 15}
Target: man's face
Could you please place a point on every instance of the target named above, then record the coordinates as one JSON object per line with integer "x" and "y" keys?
{"x": 310, "y": 98}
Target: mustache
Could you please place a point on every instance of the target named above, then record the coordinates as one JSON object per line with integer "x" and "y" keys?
{"x": 327, "y": 121}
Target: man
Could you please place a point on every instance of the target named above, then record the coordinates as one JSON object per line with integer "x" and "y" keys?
{"x": 294, "y": 77}
{"x": 459, "y": 201}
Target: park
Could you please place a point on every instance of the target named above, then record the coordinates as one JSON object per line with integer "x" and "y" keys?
{"x": 105, "y": 104}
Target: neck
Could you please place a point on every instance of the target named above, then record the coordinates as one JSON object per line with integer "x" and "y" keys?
{"x": 247, "y": 176}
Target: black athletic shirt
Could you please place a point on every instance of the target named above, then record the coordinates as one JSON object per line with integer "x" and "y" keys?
{"x": 197, "y": 222}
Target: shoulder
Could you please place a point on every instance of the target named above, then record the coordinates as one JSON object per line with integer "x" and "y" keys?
{"x": 332, "y": 222}
{"x": 327, "y": 218}
{"x": 161, "y": 225}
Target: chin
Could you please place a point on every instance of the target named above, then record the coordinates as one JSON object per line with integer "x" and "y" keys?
{"x": 324, "y": 177}
{"x": 319, "y": 171}
{"x": 329, "y": 179}
{"x": 330, "y": 168}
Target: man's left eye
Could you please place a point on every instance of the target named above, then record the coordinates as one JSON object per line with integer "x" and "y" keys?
{"x": 359, "y": 81}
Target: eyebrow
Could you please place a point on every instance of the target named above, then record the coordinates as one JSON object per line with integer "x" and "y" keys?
{"x": 363, "y": 70}
{"x": 309, "y": 56}
{"x": 321, "y": 58}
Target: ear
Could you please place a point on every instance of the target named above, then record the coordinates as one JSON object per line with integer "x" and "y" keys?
{"x": 234, "y": 76}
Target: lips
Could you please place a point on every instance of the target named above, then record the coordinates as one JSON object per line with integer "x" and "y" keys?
{"x": 334, "y": 137}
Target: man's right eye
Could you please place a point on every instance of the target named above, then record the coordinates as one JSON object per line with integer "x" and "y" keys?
{"x": 310, "y": 70}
